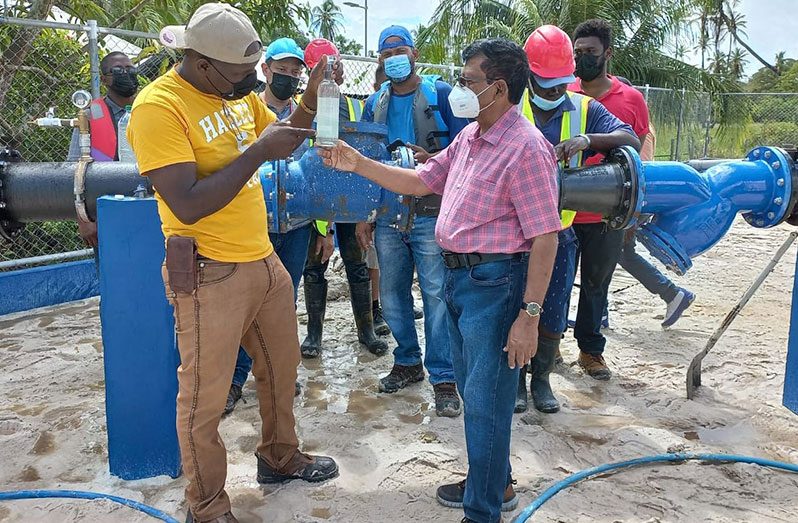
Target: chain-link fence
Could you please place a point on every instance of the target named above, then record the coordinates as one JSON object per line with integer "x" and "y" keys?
{"x": 43, "y": 63}
{"x": 745, "y": 120}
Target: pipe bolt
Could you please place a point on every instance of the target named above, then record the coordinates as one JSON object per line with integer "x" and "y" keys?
{"x": 289, "y": 195}
{"x": 2, "y": 205}
{"x": 780, "y": 181}
{"x": 757, "y": 152}
{"x": 768, "y": 154}
{"x": 778, "y": 200}
{"x": 776, "y": 166}
{"x": 760, "y": 222}
{"x": 771, "y": 215}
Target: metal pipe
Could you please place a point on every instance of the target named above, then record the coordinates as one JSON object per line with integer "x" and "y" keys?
{"x": 33, "y": 192}
{"x": 47, "y": 258}
{"x": 94, "y": 58}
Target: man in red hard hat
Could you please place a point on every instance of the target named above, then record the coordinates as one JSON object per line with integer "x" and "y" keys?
{"x": 579, "y": 127}
{"x": 321, "y": 246}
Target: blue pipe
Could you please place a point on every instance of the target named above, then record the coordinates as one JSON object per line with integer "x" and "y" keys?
{"x": 660, "y": 458}
{"x": 301, "y": 189}
{"x": 80, "y": 494}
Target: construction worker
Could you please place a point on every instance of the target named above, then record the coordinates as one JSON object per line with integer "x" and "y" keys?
{"x": 200, "y": 134}
{"x": 578, "y": 127}
{"x": 321, "y": 247}
{"x": 593, "y": 51}
{"x": 498, "y": 230}
{"x": 121, "y": 81}
{"x": 417, "y": 112}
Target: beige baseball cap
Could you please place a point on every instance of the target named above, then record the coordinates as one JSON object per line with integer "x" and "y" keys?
{"x": 218, "y": 31}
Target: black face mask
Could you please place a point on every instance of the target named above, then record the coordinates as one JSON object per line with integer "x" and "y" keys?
{"x": 283, "y": 86}
{"x": 240, "y": 89}
{"x": 589, "y": 66}
{"x": 125, "y": 84}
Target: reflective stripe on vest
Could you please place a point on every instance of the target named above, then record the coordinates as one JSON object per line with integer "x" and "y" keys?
{"x": 432, "y": 133}
{"x": 355, "y": 108}
{"x": 103, "y": 134}
{"x": 573, "y": 123}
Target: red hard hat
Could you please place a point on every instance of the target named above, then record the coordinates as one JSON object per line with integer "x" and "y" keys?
{"x": 318, "y": 48}
{"x": 550, "y": 52}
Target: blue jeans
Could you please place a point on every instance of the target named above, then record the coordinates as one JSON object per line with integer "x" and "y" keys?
{"x": 554, "y": 318}
{"x": 599, "y": 250}
{"x": 483, "y": 302}
{"x": 399, "y": 253}
{"x": 292, "y": 249}
{"x": 652, "y": 279}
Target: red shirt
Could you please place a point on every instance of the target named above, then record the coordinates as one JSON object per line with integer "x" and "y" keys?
{"x": 499, "y": 188}
{"x": 629, "y": 106}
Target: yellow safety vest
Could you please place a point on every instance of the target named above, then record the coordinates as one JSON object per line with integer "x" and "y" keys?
{"x": 573, "y": 123}
{"x": 355, "y": 107}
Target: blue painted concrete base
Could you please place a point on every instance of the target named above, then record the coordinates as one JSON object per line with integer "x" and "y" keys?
{"x": 44, "y": 286}
{"x": 790, "y": 398}
{"x": 140, "y": 352}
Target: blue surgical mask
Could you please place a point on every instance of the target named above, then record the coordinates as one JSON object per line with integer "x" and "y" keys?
{"x": 398, "y": 68}
{"x": 547, "y": 105}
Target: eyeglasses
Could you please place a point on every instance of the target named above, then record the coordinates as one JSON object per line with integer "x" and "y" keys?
{"x": 121, "y": 70}
{"x": 468, "y": 82}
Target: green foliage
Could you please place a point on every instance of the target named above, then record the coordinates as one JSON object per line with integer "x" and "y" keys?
{"x": 347, "y": 45}
{"x": 56, "y": 67}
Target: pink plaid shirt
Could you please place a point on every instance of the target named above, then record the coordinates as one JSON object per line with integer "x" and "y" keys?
{"x": 499, "y": 189}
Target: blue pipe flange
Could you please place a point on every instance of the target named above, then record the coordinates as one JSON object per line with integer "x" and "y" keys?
{"x": 664, "y": 247}
{"x": 634, "y": 187}
{"x": 782, "y": 197}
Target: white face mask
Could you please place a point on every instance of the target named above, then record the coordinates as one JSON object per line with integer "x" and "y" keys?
{"x": 465, "y": 102}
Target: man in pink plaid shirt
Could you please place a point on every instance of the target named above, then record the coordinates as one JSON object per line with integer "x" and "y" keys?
{"x": 498, "y": 228}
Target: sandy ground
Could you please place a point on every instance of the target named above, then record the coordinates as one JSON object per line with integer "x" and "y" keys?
{"x": 393, "y": 450}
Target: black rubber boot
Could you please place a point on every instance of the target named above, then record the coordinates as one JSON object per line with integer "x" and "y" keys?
{"x": 360, "y": 295}
{"x": 316, "y": 305}
{"x": 542, "y": 365}
{"x": 380, "y": 327}
{"x": 521, "y": 397}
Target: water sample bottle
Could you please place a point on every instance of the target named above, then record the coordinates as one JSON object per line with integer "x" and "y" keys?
{"x": 123, "y": 149}
{"x": 327, "y": 111}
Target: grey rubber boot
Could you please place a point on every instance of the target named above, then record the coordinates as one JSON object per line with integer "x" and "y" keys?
{"x": 521, "y": 397}
{"x": 316, "y": 305}
{"x": 542, "y": 365}
{"x": 360, "y": 295}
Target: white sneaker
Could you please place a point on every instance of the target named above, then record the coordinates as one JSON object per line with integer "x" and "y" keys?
{"x": 677, "y": 306}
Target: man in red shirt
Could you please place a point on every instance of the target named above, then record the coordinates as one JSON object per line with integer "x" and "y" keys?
{"x": 599, "y": 247}
{"x": 498, "y": 229}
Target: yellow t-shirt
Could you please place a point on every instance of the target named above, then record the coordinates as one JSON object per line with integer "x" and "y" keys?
{"x": 172, "y": 122}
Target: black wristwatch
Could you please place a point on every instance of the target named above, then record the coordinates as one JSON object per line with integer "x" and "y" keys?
{"x": 533, "y": 309}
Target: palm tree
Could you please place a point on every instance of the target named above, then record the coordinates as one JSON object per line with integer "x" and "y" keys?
{"x": 326, "y": 20}
{"x": 647, "y": 32}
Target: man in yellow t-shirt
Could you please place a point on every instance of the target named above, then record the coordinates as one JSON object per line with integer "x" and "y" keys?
{"x": 200, "y": 134}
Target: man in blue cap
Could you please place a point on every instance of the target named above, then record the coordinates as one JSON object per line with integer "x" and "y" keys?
{"x": 417, "y": 112}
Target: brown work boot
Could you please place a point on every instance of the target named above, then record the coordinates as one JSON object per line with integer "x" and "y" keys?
{"x": 227, "y": 517}
{"x": 594, "y": 365}
{"x": 447, "y": 402}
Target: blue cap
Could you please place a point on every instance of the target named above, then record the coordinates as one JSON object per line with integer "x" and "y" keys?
{"x": 548, "y": 83}
{"x": 283, "y": 48}
{"x": 395, "y": 31}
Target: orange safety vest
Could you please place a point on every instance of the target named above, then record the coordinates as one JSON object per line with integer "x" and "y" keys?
{"x": 103, "y": 134}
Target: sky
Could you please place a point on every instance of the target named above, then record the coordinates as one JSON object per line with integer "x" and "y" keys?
{"x": 768, "y": 31}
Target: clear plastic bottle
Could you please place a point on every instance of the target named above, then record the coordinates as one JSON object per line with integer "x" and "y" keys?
{"x": 123, "y": 149}
{"x": 327, "y": 111}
